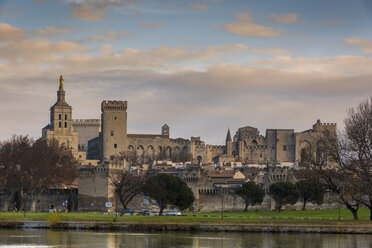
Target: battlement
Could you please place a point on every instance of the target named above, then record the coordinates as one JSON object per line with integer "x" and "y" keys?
{"x": 86, "y": 122}
{"x": 215, "y": 147}
{"x": 114, "y": 105}
{"x": 327, "y": 124}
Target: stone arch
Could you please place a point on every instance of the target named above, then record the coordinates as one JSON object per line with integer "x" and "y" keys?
{"x": 177, "y": 154}
{"x": 168, "y": 152}
{"x": 305, "y": 152}
{"x": 199, "y": 158}
{"x": 131, "y": 152}
{"x": 151, "y": 152}
{"x": 160, "y": 153}
{"x": 140, "y": 153}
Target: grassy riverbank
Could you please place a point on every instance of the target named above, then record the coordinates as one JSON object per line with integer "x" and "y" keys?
{"x": 312, "y": 216}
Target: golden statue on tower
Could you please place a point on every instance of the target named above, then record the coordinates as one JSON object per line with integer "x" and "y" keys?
{"x": 61, "y": 82}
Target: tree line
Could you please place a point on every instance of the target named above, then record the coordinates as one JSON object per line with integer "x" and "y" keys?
{"x": 31, "y": 167}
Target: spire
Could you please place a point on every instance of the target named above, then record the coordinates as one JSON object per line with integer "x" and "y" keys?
{"x": 228, "y": 137}
{"x": 60, "y": 92}
{"x": 61, "y": 83}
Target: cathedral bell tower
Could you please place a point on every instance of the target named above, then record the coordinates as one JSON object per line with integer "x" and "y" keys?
{"x": 61, "y": 112}
{"x": 60, "y": 126}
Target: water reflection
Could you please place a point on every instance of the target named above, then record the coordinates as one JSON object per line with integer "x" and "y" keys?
{"x": 48, "y": 238}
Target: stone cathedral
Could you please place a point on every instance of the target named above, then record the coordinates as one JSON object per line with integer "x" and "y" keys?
{"x": 103, "y": 148}
{"x": 107, "y": 139}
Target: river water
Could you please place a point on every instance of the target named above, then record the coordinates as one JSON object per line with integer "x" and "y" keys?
{"x": 46, "y": 238}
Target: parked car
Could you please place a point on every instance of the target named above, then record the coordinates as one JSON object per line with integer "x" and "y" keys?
{"x": 127, "y": 211}
{"x": 154, "y": 214}
{"x": 144, "y": 212}
{"x": 173, "y": 213}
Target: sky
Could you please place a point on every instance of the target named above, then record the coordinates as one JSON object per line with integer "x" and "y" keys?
{"x": 201, "y": 66}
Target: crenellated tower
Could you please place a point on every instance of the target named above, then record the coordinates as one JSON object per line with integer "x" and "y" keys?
{"x": 114, "y": 128}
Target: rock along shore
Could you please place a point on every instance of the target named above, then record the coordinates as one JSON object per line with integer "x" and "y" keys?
{"x": 346, "y": 228}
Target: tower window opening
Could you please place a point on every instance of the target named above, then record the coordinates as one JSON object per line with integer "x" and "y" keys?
{"x": 65, "y": 124}
{"x": 115, "y": 145}
{"x": 65, "y": 117}
{"x": 112, "y": 132}
{"x": 284, "y": 148}
{"x": 60, "y": 124}
{"x": 60, "y": 117}
{"x": 115, "y": 118}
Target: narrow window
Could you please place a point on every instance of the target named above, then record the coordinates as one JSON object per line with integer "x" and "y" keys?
{"x": 261, "y": 155}
{"x": 115, "y": 145}
{"x": 60, "y": 117}
{"x": 112, "y": 132}
{"x": 284, "y": 148}
{"x": 65, "y": 124}
{"x": 60, "y": 124}
{"x": 115, "y": 118}
{"x": 65, "y": 117}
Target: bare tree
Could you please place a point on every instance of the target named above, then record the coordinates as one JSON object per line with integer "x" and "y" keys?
{"x": 47, "y": 165}
{"x": 12, "y": 157}
{"x": 358, "y": 150}
{"x": 351, "y": 151}
{"x": 127, "y": 186}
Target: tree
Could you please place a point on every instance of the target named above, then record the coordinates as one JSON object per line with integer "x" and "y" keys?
{"x": 48, "y": 165}
{"x": 310, "y": 191}
{"x": 357, "y": 153}
{"x": 127, "y": 186}
{"x": 167, "y": 190}
{"x": 12, "y": 158}
{"x": 351, "y": 151}
{"x": 283, "y": 193}
{"x": 251, "y": 193}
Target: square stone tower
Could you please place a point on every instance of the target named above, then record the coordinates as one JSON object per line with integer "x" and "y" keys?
{"x": 114, "y": 129}
{"x": 60, "y": 126}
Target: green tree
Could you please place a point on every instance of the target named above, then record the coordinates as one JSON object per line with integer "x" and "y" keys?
{"x": 167, "y": 190}
{"x": 251, "y": 193}
{"x": 310, "y": 191}
{"x": 283, "y": 193}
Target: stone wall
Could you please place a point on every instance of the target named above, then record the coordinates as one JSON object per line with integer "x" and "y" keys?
{"x": 51, "y": 197}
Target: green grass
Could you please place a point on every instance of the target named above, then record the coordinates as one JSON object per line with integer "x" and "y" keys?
{"x": 311, "y": 216}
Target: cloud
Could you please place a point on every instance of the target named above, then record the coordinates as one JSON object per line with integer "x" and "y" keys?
{"x": 361, "y": 44}
{"x": 285, "y": 18}
{"x": 108, "y": 36}
{"x": 250, "y": 30}
{"x": 346, "y": 65}
{"x": 244, "y": 17}
{"x": 153, "y": 25}
{"x": 10, "y": 33}
{"x": 51, "y": 31}
{"x": 87, "y": 12}
{"x": 25, "y": 54}
{"x": 198, "y": 6}
{"x": 274, "y": 51}
{"x": 247, "y": 28}
{"x": 95, "y": 10}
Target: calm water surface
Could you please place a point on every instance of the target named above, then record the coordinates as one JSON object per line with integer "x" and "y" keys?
{"x": 46, "y": 238}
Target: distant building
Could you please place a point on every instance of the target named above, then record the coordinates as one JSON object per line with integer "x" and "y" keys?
{"x": 103, "y": 147}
